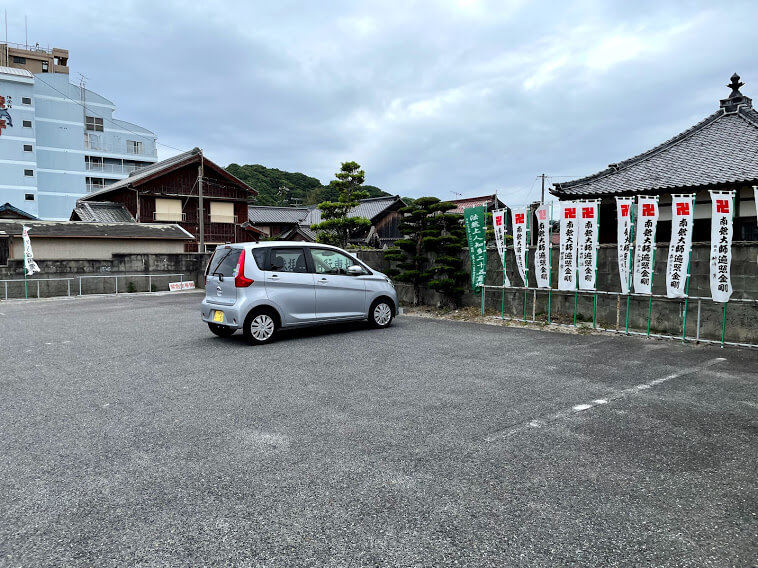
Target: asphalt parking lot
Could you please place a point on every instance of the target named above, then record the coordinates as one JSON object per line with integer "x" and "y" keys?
{"x": 131, "y": 436}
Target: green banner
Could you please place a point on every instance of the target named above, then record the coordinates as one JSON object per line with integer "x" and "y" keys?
{"x": 476, "y": 233}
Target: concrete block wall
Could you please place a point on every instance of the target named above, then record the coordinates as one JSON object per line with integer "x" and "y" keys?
{"x": 667, "y": 315}
{"x": 192, "y": 265}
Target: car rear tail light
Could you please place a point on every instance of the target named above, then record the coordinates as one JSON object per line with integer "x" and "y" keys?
{"x": 240, "y": 281}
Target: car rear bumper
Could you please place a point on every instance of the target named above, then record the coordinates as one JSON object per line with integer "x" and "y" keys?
{"x": 230, "y": 314}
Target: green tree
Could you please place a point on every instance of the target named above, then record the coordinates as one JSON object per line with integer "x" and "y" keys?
{"x": 338, "y": 226}
{"x": 430, "y": 253}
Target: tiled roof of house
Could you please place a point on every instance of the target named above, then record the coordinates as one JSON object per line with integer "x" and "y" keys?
{"x": 722, "y": 149}
{"x": 101, "y": 212}
{"x": 368, "y": 208}
{"x": 137, "y": 177}
{"x": 485, "y": 200}
{"x": 160, "y": 231}
{"x": 9, "y": 211}
{"x": 262, "y": 214}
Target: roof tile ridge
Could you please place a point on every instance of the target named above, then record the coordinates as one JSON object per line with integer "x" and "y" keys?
{"x": 618, "y": 166}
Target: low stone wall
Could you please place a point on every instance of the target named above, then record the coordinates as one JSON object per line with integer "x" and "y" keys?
{"x": 667, "y": 315}
{"x": 135, "y": 272}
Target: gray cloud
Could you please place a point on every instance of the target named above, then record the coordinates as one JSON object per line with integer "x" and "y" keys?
{"x": 468, "y": 96}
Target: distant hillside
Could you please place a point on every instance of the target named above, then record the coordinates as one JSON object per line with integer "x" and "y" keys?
{"x": 269, "y": 183}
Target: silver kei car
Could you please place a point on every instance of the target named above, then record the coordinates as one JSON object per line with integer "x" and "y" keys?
{"x": 263, "y": 287}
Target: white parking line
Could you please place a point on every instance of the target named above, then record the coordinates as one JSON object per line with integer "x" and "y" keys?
{"x": 542, "y": 421}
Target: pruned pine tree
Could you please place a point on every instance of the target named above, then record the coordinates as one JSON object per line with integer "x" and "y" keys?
{"x": 337, "y": 226}
{"x": 429, "y": 255}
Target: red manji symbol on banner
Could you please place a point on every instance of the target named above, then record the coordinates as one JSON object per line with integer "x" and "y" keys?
{"x": 648, "y": 209}
{"x": 588, "y": 212}
{"x": 519, "y": 218}
{"x": 722, "y": 206}
{"x": 682, "y": 208}
{"x": 569, "y": 213}
{"x": 625, "y": 210}
{"x": 541, "y": 214}
{"x": 498, "y": 220}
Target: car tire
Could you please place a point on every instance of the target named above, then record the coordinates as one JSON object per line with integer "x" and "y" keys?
{"x": 381, "y": 313}
{"x": 221, "y": 330}
{"x": 260, "y": 326}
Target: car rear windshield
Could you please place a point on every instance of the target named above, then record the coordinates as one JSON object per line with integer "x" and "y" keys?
{"x": 224, "y": 261}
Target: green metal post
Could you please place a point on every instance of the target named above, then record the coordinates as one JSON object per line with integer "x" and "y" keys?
{"x": 652, "y": 275}
{"x": 526, "y": 262}
{"x": 550, "y": 265}
{"x": 723, "y": 325}
{"x": 502, "y": 297}
{"x": 631, "y": 264}
{"x": 687, "y": 285}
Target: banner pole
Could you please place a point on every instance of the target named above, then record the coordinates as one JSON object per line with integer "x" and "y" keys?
{"x": 597, "y": 255}
{"x": 652, "y": 275}
{"x": 481, "y": 292}
{"x": 723, "y": 314}
{"x": 26, "y": 291}
{"x": 550, "y": 265}
{"x": 723, "y": 325}
{"x": 526, "y": 262}
{"x": 687, "y": 285}
{"x": 631, "y": 262}
{"x": 502, "y": 297}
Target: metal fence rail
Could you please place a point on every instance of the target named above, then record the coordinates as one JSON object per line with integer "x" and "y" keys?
{"x": 52, "y": 287}
{"x": 648, "y": 298}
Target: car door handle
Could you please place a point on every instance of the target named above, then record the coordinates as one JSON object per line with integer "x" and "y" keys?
{"x": 323, "y": 280}
{"x": 274, "y": 276}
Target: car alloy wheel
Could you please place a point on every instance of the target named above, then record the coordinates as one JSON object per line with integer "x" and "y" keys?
{"x": 381, "y": 314}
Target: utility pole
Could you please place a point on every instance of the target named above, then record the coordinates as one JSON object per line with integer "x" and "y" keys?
{"x": 542, "y": 199}
{"x": 200, "y": 214}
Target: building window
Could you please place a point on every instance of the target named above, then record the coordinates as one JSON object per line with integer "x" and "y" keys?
{"x": 19, "y": 60}
{"x": 133, "y": 147}
{"x": 222, "y": 212}
{"x": 94, "y": 123}
{"x": 29, "y": 173}
{"x": 95, "y": 184}
{"x": 26, "y": 123}
{"x": 28, "y": 197}
{"x": 27, "y": 147}
{"x": 45, "y": 66}
{"x": 168, "y": 210}
{"x": 26, "y": 100}
{"x": 92, "y": 141}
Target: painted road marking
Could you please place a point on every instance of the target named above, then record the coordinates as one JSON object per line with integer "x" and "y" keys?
{"x": 544, "y": 420}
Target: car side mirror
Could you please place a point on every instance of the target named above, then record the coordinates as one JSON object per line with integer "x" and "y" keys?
{"x": 354, "y": 270}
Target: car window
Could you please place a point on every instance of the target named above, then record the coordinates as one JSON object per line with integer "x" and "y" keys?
{"x": 287, "y": 260}
{"x": 328, "y": 261}
{"x": 259, "y": 254}
{"x": 224, "y": 261}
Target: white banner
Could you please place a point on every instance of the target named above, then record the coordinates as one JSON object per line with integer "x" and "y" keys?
{"x": 567, "y": 257}
{"x": 520, "y": 229}
{"x": 624, "y": 207}
{"x": 587, "y": 244}
{"x": 29, "y": 264}
{"x": 644, "y": 250}
{"x": 722, "y": 205}
{"x": 677, "y": 267}
{"x": 755, "y": 195}
{"x": 498, "y": 224}
{"x": 544, "y": 214}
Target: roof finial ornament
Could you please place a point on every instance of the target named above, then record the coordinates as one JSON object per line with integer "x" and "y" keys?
{"x": 735, "y": 100}
{"x": 735, "y": 86}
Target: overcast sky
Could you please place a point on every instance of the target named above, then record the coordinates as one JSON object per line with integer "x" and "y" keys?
{"x": 431, "y": 98}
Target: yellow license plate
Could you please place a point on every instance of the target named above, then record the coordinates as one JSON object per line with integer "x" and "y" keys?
{"x": 218, "y": 316}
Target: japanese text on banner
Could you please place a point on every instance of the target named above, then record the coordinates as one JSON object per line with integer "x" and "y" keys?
{"x": 544, "y": 215}
{"x": 644, "y": 250}
{"x": 476, "y": 231}
{"x": 587, "y": 243}
{"x": 519, "y": 216}
{"x": 624, "y": 212}
{"x": 722, "y": 204}
{"x": 677, "y": 266}
{"x": 498, "y": 224}
{"x": 567, "y": 256}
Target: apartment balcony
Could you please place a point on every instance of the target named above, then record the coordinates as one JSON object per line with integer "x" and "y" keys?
{"x": 97, "y": 144}
{"x": 112, "y": 168}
